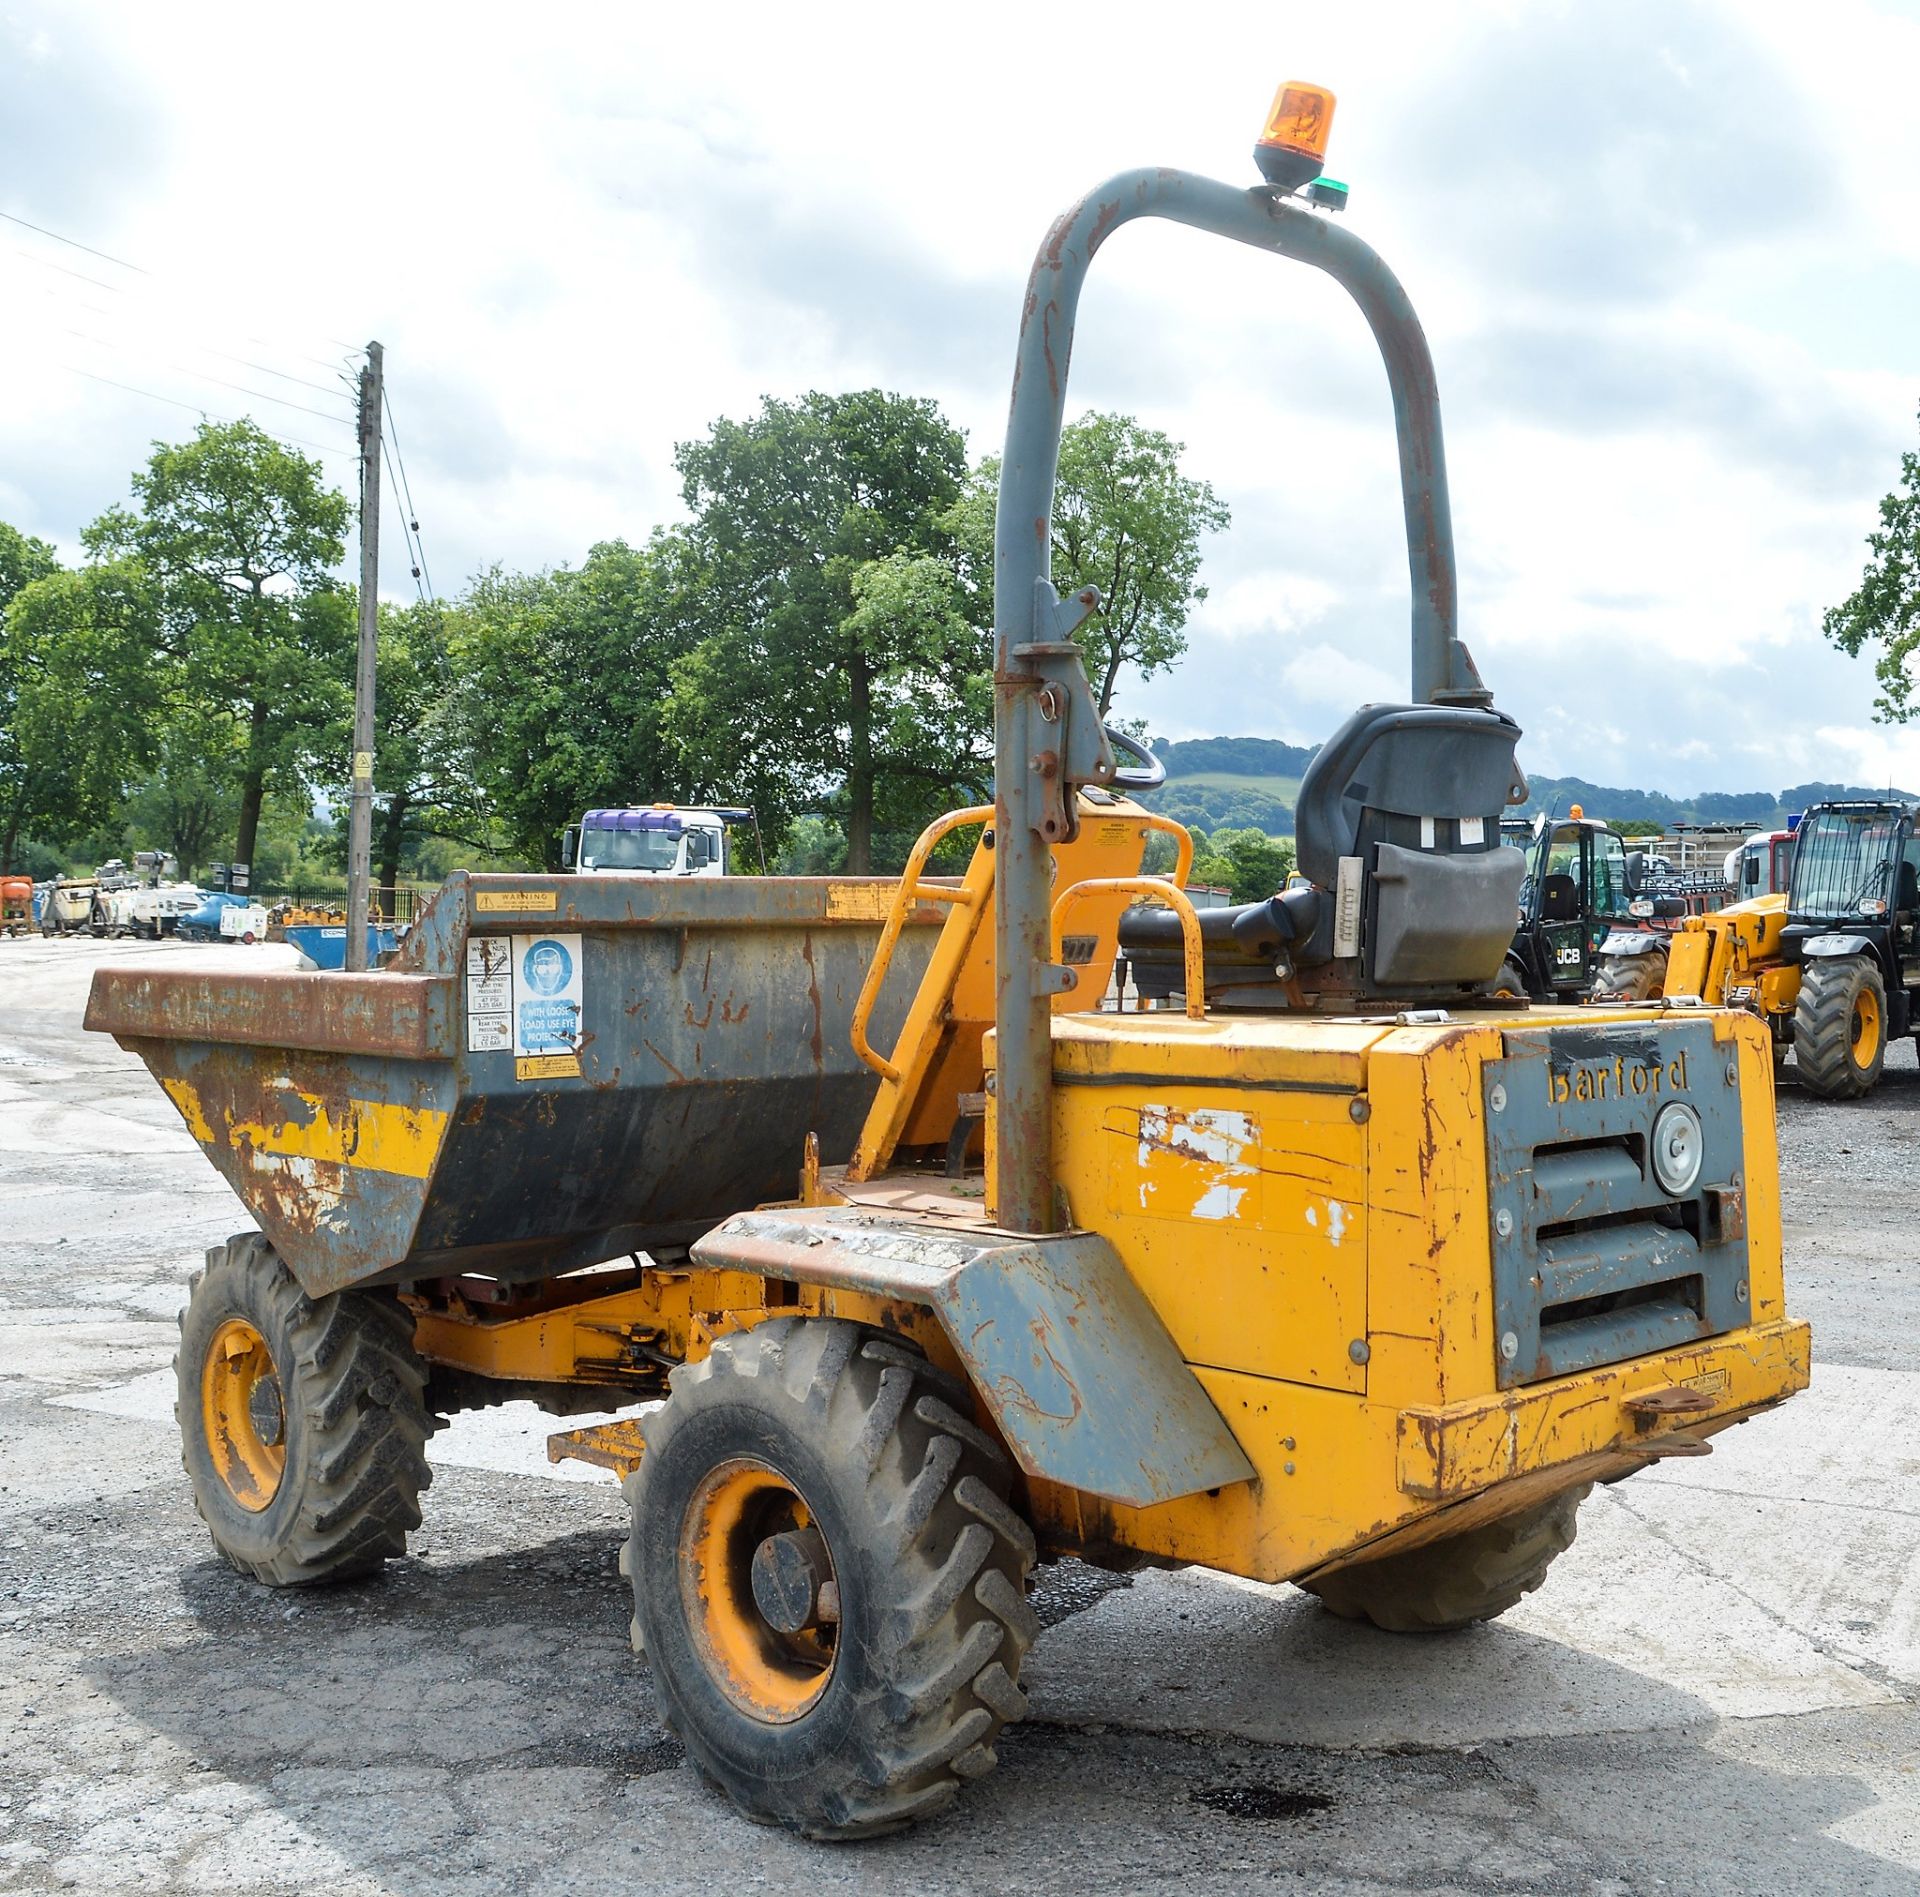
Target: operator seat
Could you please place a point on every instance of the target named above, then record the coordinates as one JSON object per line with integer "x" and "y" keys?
{"x": 1559, "y": 899}
{"x": 1408, "y": 887}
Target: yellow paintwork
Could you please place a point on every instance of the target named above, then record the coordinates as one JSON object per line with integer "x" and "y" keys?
{"x": 1779, "y": 988}
{"x": 572, "y": 1335}
{"x": 236, "y": 1363}
{"x": 937, "y": 1056}
{"x": 1298, "y": 1115}
{"x": 1731, "y": 957}
{"x": 376, "y": 1135}
{"x": 1304, "y": 1200}
{"x": 1335, "y": 1471}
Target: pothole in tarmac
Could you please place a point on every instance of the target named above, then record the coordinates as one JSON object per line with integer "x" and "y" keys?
{"x": 1062, "y": 1589}
{"x": 1261, "y": 1804}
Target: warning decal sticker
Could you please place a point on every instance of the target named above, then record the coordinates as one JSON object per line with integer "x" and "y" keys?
{"x": 489, "y": 994}
{"x": 548, "y": 992}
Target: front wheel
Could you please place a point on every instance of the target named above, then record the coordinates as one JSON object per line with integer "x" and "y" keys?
{"x": 303, "y": 1422}
{"x": 829, "y": 1582}
{"x": 1472, "y": 1576}
{"x": 1630, "y": 978}
{"x": 1511, "y": 982}
{"x": 1840, "y": 1027}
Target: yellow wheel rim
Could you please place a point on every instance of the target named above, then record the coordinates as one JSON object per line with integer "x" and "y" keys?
{"x": 1866, "y": 1027}
{"x": 244, "y": 1412}
{"x": 770, "y": 1672}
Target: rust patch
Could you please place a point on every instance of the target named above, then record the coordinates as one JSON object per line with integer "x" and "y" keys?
{"x": 816, "y": 1040}
{"x": 664, "y": 1062}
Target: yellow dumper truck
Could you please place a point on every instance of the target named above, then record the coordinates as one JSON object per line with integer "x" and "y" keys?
{"x": 1338, "y": 1270}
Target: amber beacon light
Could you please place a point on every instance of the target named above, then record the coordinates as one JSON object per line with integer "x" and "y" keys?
{"x": 1293, "y": 147}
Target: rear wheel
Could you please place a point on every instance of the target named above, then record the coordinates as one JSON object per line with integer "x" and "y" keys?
{"x": 1840, "y": 1027}
{"x": 1630, "y": 978}
{"x": 829, "y": 1582}
{"x": 1468, "y": 1577}
{"x": 302, "y": 1420}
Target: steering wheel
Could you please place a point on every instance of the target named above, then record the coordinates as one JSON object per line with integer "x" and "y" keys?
{"x": 1151, "y": 774}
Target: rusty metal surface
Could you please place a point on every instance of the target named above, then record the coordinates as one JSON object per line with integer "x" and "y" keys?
{"x": 618, "y": 1445}
{"x": 467, "y": 904}
{"x": 303, "y": 1137}
{"x": 376, "y": 1137}
{"x": 402, "y": 1017}
{"x": 1066, "y": 1352}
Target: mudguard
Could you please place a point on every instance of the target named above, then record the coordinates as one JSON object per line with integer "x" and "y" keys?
{"x": 1820, "y": 948}
{"x": 1625, "y": 942}
{"x": 1072, "y": 1362}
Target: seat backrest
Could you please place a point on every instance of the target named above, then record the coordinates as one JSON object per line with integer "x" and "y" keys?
{"x": 1398, "y": 820}
{"x": 1559, "y": 899}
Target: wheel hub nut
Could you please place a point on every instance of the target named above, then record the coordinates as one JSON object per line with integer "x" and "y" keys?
{"x": 792, "y": 1585}
{"x": 267, "y": 1411}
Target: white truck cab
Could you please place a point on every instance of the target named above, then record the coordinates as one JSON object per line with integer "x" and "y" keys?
{"x": 657, "y": 840}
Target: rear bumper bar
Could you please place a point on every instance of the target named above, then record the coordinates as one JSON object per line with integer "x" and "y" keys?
{"x": 1454, "y": 1451}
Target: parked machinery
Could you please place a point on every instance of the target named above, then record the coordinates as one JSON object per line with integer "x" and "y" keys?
{"x": 1830, "y": 965}
{"x": 67, "y": 907}
{"x": 1692, "y": 874}
{"x": 1575, "y": 889}
{"x": 1334, "y": 1274}
{"x": 143, "y": 897}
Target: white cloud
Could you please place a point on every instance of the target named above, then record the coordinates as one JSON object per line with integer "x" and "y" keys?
{"x": 1676, "y": 339}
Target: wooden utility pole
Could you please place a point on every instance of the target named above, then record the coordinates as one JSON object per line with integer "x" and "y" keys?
{"x": 360, "y": 812}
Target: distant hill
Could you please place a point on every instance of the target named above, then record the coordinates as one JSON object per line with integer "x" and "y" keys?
{"x": 1251, "y": 783}
{"x": 1769, "y": 809}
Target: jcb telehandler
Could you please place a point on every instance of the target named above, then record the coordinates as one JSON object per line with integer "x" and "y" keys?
{"x": 1341, "y": 1272}
{"x": 1833, "y": 965}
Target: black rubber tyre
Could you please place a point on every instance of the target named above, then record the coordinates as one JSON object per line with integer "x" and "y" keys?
{"x": 882, "y": 1716}
{"x": 1840, "y": 1027}
{"x": 1510, "y": 983}
{"x": 1469, "y": 1577}
{"x": 1630, "y": 978}
{"x": 343, "y": 1391}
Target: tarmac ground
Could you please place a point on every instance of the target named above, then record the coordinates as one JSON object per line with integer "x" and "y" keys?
{"x": 1715, "y": 1691}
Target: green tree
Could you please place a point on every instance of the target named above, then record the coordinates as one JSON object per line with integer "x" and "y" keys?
{"x": 423, "y": 747}
{"x": 189, "y": 799}
{"x": 1248, "y": 862}
{"x": 240, "y": 536}
{"x": 840, "y": 657}
{"x": 562, "y": 680}
{"x": 81, "y": 691}
{"x": 1884, "y": 609}
{"x": 1125, "y": 519}
{"x": 22, "y": 561}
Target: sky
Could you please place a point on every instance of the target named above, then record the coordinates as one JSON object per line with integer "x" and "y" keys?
{"x": 1667, "y": 256}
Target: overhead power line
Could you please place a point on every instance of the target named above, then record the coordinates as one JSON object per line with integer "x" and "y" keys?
{"x": 206, "y": 415}
{"x": 74, "y": 243}
{"x": 152, "y": 285}
{"x": 406, "y": 488}
{"x": 407, "y": 532}
{"x": 206, "y": 375}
